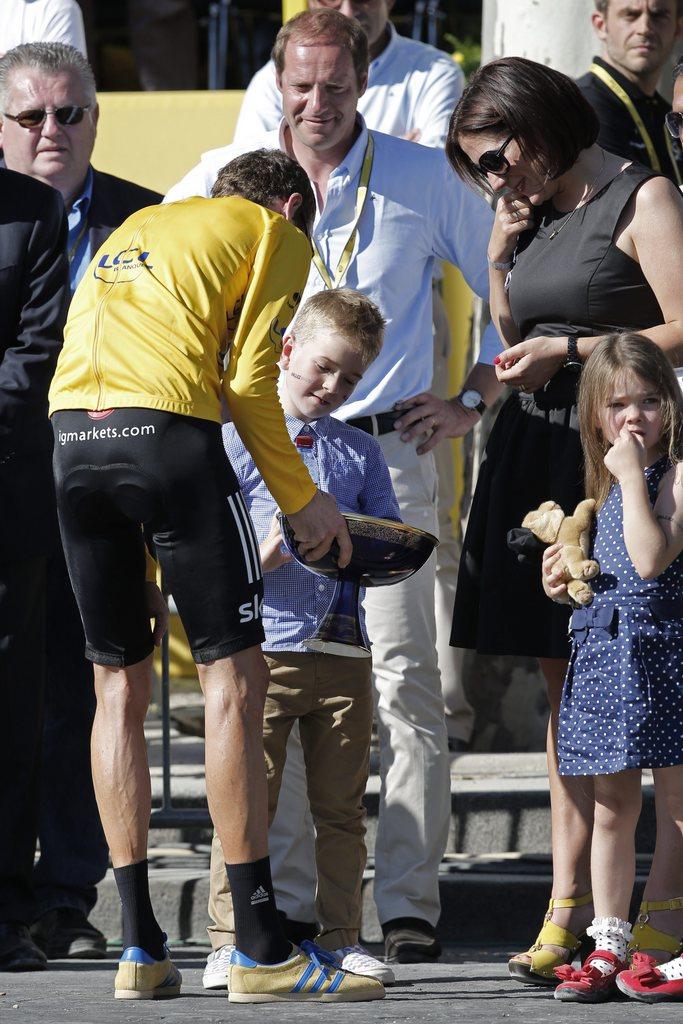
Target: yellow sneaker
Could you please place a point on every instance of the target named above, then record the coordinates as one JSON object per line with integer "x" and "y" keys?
{"x": 308, "y": 975}
{"x": 141, "y": 977}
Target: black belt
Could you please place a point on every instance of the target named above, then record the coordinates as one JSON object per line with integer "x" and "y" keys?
{"x": 382, "y": 423}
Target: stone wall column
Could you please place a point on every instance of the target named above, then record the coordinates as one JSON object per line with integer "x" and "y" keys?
{"x": 554, "y": 32}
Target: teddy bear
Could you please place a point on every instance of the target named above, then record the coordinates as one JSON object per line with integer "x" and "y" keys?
{"x": 551, "y": 526}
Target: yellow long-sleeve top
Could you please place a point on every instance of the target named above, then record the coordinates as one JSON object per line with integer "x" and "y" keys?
{"x": 181, "y": 301}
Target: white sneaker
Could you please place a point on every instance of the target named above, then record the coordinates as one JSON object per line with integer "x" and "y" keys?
{"x": 357, "y": 960}
{"x": 216, "y": 970}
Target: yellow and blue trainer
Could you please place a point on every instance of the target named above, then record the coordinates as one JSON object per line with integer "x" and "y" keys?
{"x": 140, "y": 976}
{"x": 310, "y": 974}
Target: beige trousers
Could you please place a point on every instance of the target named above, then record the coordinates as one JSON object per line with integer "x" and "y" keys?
{"x": 459, "y": 711}
{"x": 331, "y": 698}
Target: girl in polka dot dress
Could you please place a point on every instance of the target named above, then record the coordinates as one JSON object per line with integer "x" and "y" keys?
{"x": 622, "y": 705}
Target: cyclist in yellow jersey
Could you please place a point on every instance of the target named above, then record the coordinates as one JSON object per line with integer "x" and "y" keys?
{"x": 183, "y": 305}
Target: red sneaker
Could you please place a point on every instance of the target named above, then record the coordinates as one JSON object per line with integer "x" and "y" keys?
{"x": 588, "y": 984}
{"x": 644, "y": 982}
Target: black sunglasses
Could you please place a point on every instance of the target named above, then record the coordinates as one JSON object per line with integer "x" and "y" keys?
{"x": 674, "y": 122}
{"x": 36, "y": 118}
{"x": 493, "y": 161}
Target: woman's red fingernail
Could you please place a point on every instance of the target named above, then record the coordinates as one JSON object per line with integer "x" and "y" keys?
{"x": 496, "y": 361}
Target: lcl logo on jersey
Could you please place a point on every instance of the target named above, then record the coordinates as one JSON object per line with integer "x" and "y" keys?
{"x": 125, "y": 265}
{"x": 251, "y": 610}
{"x": 276, "y": 332}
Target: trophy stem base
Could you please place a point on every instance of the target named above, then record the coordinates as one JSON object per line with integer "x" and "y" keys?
{"x": 340, "y": 631}
{"x": 336, "y": 647}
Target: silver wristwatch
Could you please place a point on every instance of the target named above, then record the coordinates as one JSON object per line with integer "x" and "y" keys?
{"x": 472, "y": 401}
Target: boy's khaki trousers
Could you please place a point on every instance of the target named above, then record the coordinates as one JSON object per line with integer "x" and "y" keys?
{"x": 331, "y": 698}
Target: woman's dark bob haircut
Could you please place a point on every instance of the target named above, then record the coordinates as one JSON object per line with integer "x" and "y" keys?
{"x": 544, "y": 109}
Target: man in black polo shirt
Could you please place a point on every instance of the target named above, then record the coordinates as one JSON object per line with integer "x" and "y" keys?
{"x": 637, "y": 38}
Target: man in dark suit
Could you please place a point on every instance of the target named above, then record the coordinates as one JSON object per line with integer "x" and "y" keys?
{"x": 47, "y": 91}
{"x": 34, "y": 294}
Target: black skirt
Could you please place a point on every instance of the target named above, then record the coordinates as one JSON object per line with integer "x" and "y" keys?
{"x": 533, "y": 455}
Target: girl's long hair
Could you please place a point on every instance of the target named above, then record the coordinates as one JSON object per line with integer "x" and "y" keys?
{"x": 614, "y": 355}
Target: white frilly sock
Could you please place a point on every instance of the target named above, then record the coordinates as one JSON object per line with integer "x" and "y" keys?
{"x": 610, "y": 934}
{"x": 673, "y": 970}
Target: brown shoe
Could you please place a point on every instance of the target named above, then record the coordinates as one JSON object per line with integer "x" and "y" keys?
{"x": 410, "y": 940}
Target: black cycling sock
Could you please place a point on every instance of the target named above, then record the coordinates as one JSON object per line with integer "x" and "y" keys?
{"x": 140, "y": 926}
{"x": 258, "y": 928}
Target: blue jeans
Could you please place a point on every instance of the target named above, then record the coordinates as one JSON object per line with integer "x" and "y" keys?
{"x": 73, "y": 851}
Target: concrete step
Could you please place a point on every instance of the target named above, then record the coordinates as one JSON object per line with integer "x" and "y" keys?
{"x": 495, "y": 898}
{"x": 498, "y": 801}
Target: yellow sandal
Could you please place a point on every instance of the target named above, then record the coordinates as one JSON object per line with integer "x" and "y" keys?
{"x": 647, "y": 937}
{"x": 543, "y": 961}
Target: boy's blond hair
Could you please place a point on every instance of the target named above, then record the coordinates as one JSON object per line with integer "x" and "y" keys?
{"x": 346, "y": 312}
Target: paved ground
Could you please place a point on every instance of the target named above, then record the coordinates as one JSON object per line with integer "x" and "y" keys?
{"x": 471, "y": 986}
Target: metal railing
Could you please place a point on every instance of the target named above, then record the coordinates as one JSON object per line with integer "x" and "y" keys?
{"x": 218, "y": 40}
{"x": 168, "y": 816}
{"x": 427, "y": 11}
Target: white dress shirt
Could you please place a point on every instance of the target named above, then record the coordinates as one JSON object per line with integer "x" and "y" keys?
{"x": 411, "y": 86}
{"x": 41, "y": 21}
{"x": 417, "y": 211}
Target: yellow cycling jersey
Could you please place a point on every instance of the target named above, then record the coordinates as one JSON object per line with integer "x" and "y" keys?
{"x": 183, "y": 301}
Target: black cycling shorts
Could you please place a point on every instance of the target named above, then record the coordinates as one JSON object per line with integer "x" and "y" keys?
{"x": 118, "y": 471}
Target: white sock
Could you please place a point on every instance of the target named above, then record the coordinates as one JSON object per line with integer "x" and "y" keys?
{"x": 611, "y": 934}
{"x": 673, "y": 970}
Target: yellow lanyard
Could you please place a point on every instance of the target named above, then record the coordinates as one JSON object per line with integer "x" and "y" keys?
{"x": 621, "y": 94}
{"x": 72, "y": 251}
{"x": 361, "y": 196}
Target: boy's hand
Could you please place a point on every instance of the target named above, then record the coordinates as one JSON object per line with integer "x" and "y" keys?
{"x": 273, "y": 554}
{"x": 627, "y": 456}
{"x": 552, "y": 573}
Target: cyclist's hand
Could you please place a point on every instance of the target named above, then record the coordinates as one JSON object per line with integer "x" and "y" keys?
{"x": 317, "y": 525}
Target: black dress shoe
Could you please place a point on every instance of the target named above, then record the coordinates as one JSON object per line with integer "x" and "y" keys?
{"x": 66, "y": 934}
{"x": 410, "y": 940}
{"x": 18, "y": 952}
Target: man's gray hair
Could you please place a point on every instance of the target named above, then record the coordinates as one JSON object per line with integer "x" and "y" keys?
{"x": 51, "y": 58}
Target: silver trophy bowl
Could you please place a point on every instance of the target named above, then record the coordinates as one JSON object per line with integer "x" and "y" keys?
{"x": 384, "y": 552}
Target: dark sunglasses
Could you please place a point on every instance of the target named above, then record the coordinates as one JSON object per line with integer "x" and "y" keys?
{"x": 674, "y": 122}
{"x": 36, "y": 118}
{"x": 493, "y": 161}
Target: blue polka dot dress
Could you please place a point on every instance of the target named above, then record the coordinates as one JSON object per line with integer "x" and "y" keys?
{"x": 622, "y": 704}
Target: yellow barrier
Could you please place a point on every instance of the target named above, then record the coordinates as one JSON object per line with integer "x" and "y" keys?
{"x": 458, "y": 300}
{"x": 292, "y": 7}
{"x": 154, "y": 138}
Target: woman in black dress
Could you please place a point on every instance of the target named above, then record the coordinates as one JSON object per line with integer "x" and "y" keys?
{"x": 584, "y": 244}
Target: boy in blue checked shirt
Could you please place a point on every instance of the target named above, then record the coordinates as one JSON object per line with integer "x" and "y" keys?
{"x": 336, "y": 336}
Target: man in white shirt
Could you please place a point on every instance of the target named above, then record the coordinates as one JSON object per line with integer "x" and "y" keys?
{"x": 411, "y": 92}
{"x": 384, "y": 219}
{"x": 41, "y": 21}
{"x": 412, "y": 87}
